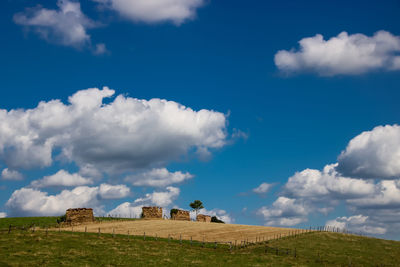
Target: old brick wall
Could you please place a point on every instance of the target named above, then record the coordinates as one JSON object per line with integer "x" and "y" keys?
{"x": 152, "y": 213}
{"x": 203, "y": 218}
{"x": 181, "y": 215}
{"x": 81, "y": 215}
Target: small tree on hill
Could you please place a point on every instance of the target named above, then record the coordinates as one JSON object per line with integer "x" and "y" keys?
{"x": 196, "y": 206}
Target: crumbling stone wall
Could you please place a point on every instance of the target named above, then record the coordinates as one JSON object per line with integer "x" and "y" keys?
{"x": 181, "y": 215}
{"x": 203, "y": 218}
{"x": 152, "y": 213}
{"x": 77, "y": 216}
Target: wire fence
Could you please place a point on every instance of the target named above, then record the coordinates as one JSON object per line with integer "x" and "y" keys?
{"x": 261, "y": 240}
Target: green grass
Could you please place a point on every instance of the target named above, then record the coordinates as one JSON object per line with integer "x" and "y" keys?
{"x": 27, "y": 222}
{"x": 42, "y": 222}
{"x": 24, "y": 248}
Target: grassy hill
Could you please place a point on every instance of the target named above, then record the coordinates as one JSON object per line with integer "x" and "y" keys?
{"x": 27, "y": 248}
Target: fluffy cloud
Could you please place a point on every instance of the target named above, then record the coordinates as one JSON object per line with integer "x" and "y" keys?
{"x": 3, "y": 214}
{"x": 158, "y": 178}
{"x": 373, "y": 154}
{"x": 33, "y": 202}
{"x": 134, "y": 209}
{"x": 66, "y": 26}
{"x": 126, "y": 210}
{"x": 370, "y": 191}
{"x": 356, "y": 223}
{"x": 162, "y": 199}
{"x": 7, "y": 174}
{"x": 219, "y": 213}
{"x": 61, "y": 178}
{"x": 386, "y": 195}
{"x": 107, "y": 191}
{"x": 153, "y": 11}
{"x": 263, "y": 188}
{"x": 342, "y": 55}
{"x": 313, "y": 185}
{"x": 284, "y": 211}
{"x": 126, "y": 134}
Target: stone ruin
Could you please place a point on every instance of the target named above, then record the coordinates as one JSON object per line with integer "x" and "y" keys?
{"x": 203, "y": 218}
{"x": 77, "y": 216}
{"x": 181, "y": 215}
{"x": 152, "y": 213}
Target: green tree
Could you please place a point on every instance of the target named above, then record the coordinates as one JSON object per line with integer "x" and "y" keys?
{"x": 196, "y": 206}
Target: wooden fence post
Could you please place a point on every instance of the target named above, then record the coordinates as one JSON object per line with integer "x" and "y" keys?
{"x": 9, "y": 228}
{"x": 144, "y": 236}
{"x": 99, "y": 232}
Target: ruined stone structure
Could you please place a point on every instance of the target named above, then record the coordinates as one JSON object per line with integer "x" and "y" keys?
{"x": 152, "y": 213}
{"x": 181, "y": 215}
{"x": 203, "y": 218}
{"x": 77, "y": 216}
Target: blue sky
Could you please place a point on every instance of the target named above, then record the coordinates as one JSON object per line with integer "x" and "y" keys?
{"x": 278, "y": 115}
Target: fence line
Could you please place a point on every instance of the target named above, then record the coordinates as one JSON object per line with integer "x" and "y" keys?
{"x": 259, "y": 239}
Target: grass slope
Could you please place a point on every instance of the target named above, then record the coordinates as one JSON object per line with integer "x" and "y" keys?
{"x": 24, "y": 248}
{"x": 44, "y": 222}
{"x": 28, "y": 222}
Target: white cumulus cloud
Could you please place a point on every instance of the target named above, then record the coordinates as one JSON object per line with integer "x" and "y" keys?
{"x": 157, "y": 198}
{"x": 313, "y": 185}
{"x": 7, "y": 174}
{"x": 3, "y": 214}
{"x": 126, "y": 210}
{"x": 153, "y": 11}
{"x": 263, "y": 188}
{"x": 107, "y": 191}
{"x": 158, "y": 178}
{"x": 223, "y": 215}
{"x": 33, "y": 202}
{"x": 357, "y": 224}
{"x": 365, "y": 180}
{"x": 162, "y": 199}
{"x": 373, "y": 154}
{"x": 66, "y": 26}
{"x": 284, "y": 212}
{"x": 61, "y": 178}
{"x": 342, "y": 55}
{"x": 126, "y": 134}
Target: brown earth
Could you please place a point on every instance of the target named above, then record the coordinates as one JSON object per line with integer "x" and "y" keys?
{"x": 211, "y": 232}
